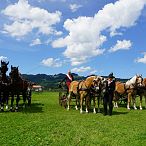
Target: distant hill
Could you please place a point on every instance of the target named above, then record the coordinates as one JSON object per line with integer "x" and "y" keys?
{"x": 49, "y": 81}
{"x": 52, "y": 81}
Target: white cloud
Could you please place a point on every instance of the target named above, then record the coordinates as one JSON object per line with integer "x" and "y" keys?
{"x": 25, "y": 18}
{"x": 84, "y": 39}
{"x": 3, "y": 58}
{"x": 142, "y": 60}
{"x": 93, "y": 72}
{"x": 17, "y": 29}
{"x": 81, "y": 69}
{"x": 51, "y": 62}
{"x": 74, "y": 7}
{"x": 36, "y": 42}
{"x": 121, "y": 45}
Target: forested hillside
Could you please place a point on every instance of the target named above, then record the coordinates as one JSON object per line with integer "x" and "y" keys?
{"x": 52, "y": 81}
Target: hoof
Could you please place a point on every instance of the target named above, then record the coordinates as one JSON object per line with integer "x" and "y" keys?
{"x": 7, "y": 107}
{"x": 2, "y": 110}
{"x": 16, "y": 109}
{"x": 11, "y": 109}
{"x": 94, "y": 112}
{"x": 81, "y": 112}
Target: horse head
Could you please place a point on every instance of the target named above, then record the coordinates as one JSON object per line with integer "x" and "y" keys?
{"x": 4, "y": 67}
{"x": 139, "y": 80}
{"x": 96, "y": 83}
{"x": 104, "y": 86}
{"x": 14, "y": 74}
{"x": 135, "y": 81}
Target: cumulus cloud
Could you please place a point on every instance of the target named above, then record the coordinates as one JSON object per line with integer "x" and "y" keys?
{"x": 51, "y": 62}
{"x": 24, "y": 18}
{"x": 85, "y": 39}
{"x": 3, "y": 58}
{"x": 81, "y": 69}
{"x": 36, "y": 42}
{"x": 121, "y": 45}
{"x": 142, "y": 60}
{"x": 74, "y": 7}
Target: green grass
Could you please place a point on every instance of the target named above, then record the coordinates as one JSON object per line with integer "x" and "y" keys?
{"x": 47, "y": 123}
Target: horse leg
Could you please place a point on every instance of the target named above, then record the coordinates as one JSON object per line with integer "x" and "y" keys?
{"x": 134, "y": 100}
{"x": 94, "y": 109}
{"x": 12, "y": 100}
{"x": 69, "y": 100}
{"x": 7, "y": 100}
{"x": 29, "y": 97}
{"x": 134, "y": 103}
{"x": 129, "y": 100}
{"x": 140, "y": 106}
{"x": 6, "y": 96}
{"x": 2, "y": 103}
{"x": 17, "y": 102}
{"x": 81, "y": 104}
{"x": 24, "y": 99}
{"x": 76, "y": 107}
{"x": 115, "y": 98}
{"x": 87, "y": 102}
{"x": 98, "y": 100}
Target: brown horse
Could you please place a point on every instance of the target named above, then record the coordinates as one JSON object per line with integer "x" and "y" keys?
{"x": 19, "y": 86}
{"x": 4, "y": 85}
{"x": 141, "y": 91}
{"x": 128, "y": 89}
{"x": 82, "y": 90}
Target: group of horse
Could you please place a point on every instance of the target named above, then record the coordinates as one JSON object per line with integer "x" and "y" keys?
{"x": 12, "y": 87}
{"x": 95, "y": 87}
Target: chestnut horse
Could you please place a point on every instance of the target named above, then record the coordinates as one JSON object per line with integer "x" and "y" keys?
{"x": 82, "y": 90}
{"x": 128, "y": 89}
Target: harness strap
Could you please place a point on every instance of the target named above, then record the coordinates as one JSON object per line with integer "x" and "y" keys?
{"x": 81, "y": 89}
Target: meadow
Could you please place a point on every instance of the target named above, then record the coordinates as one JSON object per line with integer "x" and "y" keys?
{"x": 47, "y": 123}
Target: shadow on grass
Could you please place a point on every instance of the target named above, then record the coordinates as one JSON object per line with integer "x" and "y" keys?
{"x": 34, "y": 108}
{"x": 119, "y": 113}
{"x": 114, "y": 112}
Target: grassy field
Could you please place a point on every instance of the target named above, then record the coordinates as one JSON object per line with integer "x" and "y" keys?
{"x": 46, "y": 123}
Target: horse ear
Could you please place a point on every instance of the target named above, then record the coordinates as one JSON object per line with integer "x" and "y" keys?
{"x": 11, "y": 67}
{"x": 7, "y": 62}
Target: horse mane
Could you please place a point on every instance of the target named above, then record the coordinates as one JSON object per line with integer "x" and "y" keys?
{"x": 131, "y": 81}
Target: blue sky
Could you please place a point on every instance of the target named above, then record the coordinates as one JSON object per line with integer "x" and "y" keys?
{"x": 86, "y": 36}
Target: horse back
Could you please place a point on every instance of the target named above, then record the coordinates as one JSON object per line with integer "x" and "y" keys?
{"x": 74, "y": 87}
{"x": 120, "y": 87}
